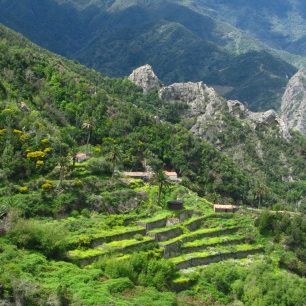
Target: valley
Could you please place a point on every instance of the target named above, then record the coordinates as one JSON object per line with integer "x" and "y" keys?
{"x": 108, "y": 185}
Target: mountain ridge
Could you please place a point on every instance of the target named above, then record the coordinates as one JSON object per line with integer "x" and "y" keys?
{"x": 183, "y": 44}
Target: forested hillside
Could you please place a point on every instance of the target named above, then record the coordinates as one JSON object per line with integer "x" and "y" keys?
{"x": 280, "y": 24}
{"x": 78, "y": 232}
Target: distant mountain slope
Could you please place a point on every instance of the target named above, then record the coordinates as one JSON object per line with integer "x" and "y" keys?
{"x": 279, "y": 23}
{"x": 294, "y": 103}
{"x": 182, "y": 44}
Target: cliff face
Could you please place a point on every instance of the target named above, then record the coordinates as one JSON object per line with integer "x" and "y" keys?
{"x": 145, "y": 78}
{"x": 208, "y": 109}
{"x": 293, "y": 110}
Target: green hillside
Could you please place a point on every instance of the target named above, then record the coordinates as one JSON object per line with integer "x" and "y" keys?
{"x": 82, "y": 233}
{"x": 280, "y": 24}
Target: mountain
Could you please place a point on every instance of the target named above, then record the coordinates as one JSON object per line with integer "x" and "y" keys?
{"x": 182, "y": 43}
{"x": 280, "y": 24}
{"x": 294, "y": 103}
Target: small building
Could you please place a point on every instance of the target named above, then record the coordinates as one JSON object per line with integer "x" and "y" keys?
{"x": 80, "y": 157}
{"x": 138, "y": 175}
{"x": 172, "y": 176}
{"x": 175, "y": 205}
{"x": 225, "y": 208}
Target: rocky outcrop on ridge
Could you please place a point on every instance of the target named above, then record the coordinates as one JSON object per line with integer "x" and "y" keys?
{"x": 145, "y": 78}
{"x": 205, "y": 105}
{"x": 293, "y": 109}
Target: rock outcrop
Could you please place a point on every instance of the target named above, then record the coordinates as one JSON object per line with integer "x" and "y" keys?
{"x": 145, "y": 78}
{"x": 198, "y": 96}
{"x": 208, "y": 109}
{"x": 293, "y": 109}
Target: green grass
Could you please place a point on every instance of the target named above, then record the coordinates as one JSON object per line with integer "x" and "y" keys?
{"x": 120, "y": 244}
{"x": 212, "y": 241}
{"x": 83, "y": 254}
{"x": 214, "y": 251}
{"x": 164, "y": 229}
{"x": 159, "y": 216}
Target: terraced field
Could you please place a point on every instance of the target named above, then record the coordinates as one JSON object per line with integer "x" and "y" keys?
{"x": 187, "y": 238}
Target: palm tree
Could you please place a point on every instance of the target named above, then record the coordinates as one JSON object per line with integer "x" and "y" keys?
{"x": 161, "y": 179}
{"x": 115, "y": 157}
{"x": 87, "y": 126}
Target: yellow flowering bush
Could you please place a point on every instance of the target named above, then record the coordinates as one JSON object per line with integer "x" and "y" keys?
{"x": 45, "y": 141}
{"x": 36, "y": 154}
{"x": 47, "y": 150}
{"x": 23, "y": 137}
{"x": 39, "y": 163}
{"x": 15, "y": 131}
{"x": 47, "y": 185}
{"x": 23, "y": 189}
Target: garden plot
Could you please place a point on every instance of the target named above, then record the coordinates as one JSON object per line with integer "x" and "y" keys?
{"x": 194, "y": 240}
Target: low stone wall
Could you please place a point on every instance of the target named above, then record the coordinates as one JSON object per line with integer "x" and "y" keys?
{"x": 211, "y": 234}
{"x": 127, "y": 249}
{"x": 186, "y": 250}
{"x": 138, "y": 246}
{"x": 196, "y": 224}
{"x": 172, "y": 249}
{"x": 186, "y": 214}
{"x": 154, "y": 224}
{"x": 202, "y": 261}
{"x": 167, "y": 234}
{"x": 122, "y": 236}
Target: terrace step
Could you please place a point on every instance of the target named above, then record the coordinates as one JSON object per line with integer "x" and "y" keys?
{"x": 172, "y": 247}
{"x": 161, "y": 221}
{"x": 216, "y": 255}
{"x": 199, "y": 245}
{"x": 85, "y": 257}
{"x": 166, "y": 233}
{"x": 209, "y": 232}
{"x": 116, "y": 236}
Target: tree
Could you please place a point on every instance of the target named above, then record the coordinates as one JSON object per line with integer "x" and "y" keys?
{"x": 161, "y": 179}
{"x": 87, "y": 126}
{"x": 63, "y": 163}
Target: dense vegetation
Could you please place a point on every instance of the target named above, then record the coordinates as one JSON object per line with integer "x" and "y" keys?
{"x": 54, "y": 209}
{"x": 285, "y": 30}
{"x": 180, "y": 42}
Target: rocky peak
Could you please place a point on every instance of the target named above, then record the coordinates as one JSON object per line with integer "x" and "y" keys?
{"x": 206, "y": 106}
{"x": 199, "y": 97}
{"x": 293, "y": 109}
{"x": 145, "y": 78}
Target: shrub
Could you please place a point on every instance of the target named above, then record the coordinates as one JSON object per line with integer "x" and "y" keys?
{"x": 99, "y": 166}
{"x": 85, "y": 213}
{"x": 138, "y": 237}
{"x": 23, "y": 189}
{"x": 119, "y": 285}
{"x": 47, "y": 185}
{"x": 36, "y": 235}
{"x": 141, "y": 270}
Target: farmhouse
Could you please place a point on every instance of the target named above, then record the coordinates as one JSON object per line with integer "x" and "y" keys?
{"x": 225, "y": 208}
{"x": 172, "y": 176}
{"x": 138, "y": 175}
{"x": 80, "y": 157}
